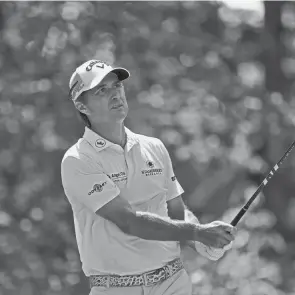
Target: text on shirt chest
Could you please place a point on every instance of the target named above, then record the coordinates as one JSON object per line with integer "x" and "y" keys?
{"x": 151, "y": 169}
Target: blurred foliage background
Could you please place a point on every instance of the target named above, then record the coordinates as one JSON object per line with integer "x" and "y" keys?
{"x": 215, "y": 84}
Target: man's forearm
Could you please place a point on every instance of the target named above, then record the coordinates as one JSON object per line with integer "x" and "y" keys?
{"x": 191, "y": 218}
{"x": 149, "y": 226}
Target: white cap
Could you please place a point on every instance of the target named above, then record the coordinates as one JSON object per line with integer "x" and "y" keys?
{"x": 90, "y": 74}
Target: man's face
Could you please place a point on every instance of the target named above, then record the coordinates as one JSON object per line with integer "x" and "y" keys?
{"x": 107, "y": 102}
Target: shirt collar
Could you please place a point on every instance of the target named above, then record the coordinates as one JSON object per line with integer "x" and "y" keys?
{"x": 99, "y": 143}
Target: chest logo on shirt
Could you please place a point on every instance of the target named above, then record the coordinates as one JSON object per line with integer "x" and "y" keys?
{"x": 118, "y": 177}
{"x": 97, "y": 188}
{"x": 151, "y": 170}
{"x": 150, "y": 164}
{"x": 100, "y": 143}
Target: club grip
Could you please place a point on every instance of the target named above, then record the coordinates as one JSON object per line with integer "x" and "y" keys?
{"x": 237, "y": 218}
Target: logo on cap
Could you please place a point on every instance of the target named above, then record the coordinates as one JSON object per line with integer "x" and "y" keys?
{"x": 98, "y": 63}
{"x": 100, "y": 143}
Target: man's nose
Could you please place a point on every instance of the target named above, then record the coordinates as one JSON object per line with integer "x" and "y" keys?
{"x": 115, "y": 94}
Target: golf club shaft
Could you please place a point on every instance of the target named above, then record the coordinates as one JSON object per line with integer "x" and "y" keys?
{"x": 241, "y": 213}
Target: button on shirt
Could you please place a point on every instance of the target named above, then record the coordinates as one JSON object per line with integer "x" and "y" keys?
{"x": 94, "y": 171}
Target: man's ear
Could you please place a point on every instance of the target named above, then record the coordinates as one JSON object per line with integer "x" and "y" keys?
{"x": 81, "y": 108}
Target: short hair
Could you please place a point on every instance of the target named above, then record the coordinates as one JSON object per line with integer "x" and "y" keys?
{"x": 82, "y": 98}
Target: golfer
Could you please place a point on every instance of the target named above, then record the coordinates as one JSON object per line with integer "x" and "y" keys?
{"x": 128, "y": 211}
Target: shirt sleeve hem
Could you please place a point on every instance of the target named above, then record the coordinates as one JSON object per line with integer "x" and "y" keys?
{"x": 102, "y": 203}
{"x": 175, "y": 194}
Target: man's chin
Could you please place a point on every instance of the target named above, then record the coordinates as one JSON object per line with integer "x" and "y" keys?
{"x": 119, "y": 116}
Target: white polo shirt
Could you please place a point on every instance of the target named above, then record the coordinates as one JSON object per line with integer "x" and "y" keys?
{"x": 94, "y": 171}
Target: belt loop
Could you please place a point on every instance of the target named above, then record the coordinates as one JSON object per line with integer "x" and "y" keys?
{"x": 168, "y": 271}
{"x": 144, "y": 278}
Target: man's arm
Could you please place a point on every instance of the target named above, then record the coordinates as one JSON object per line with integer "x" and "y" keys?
{"x": 177, "y": 210}
{"x": 86, "y": 184}
{"x": 146, "y": 225}
{"x": 150, "y": 226}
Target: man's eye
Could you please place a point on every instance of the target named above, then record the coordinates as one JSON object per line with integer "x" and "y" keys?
{"x": 102, "y": 89}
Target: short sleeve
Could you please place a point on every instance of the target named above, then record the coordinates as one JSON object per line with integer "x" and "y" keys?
{"x": 86, "y": 185}
{"x": 174, "y": 188}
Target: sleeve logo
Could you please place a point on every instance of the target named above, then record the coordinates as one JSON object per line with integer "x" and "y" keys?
{"x": 173, "y": 178}
{"x": 97, "y": 188}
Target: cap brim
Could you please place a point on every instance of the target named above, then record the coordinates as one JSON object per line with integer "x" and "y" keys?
{"x": 121, "y": 73}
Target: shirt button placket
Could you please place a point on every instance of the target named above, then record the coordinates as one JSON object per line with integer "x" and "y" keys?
{"x": 128, "y": 166}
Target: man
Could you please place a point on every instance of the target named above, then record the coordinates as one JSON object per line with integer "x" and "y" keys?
{"x": 126, "y": 201}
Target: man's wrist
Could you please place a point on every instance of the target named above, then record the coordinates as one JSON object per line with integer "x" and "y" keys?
{"x": 197, "y": 231}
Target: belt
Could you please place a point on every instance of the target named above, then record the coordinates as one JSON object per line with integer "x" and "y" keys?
{"x": 146, "y": 279}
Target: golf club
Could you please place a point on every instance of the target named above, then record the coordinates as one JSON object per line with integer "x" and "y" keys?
{"x": 263, "y": 184}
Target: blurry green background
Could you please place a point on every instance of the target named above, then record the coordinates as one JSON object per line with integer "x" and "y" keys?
{"x": 215, "y": 84}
